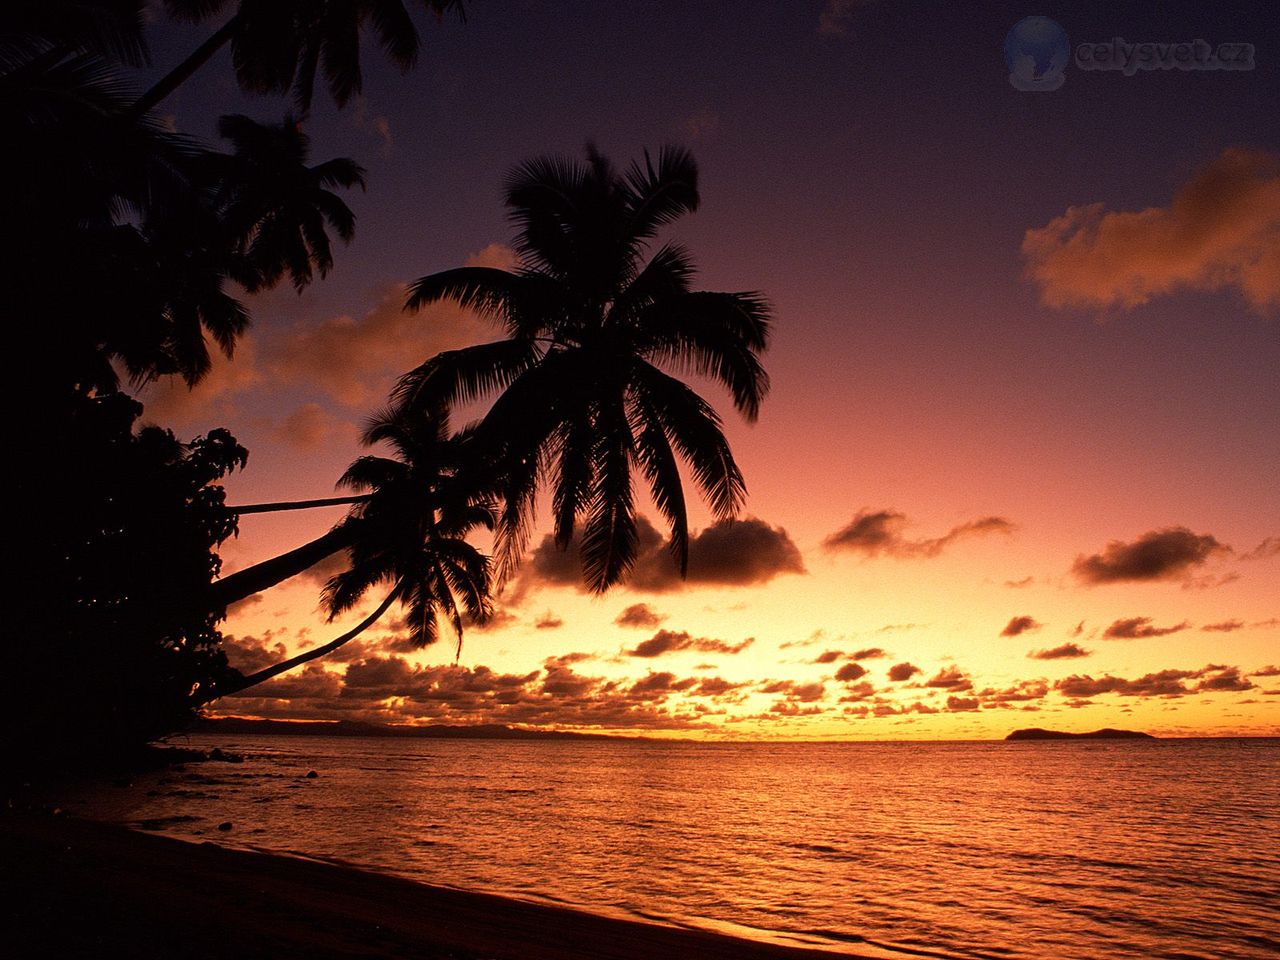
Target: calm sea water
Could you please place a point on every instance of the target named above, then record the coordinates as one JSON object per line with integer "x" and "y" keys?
{"x": 1040, "y": 850}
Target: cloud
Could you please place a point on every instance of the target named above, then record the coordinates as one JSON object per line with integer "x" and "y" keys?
{"x": 903, "y": 671}
{"x": 311, "y": 426}
{"x": 802, "y": 692}
{"x": 702, "y": 124}
{"x": 1163, "y": 683}
{"x": 1139, "y": 628}
{"x": 732, "y": 553}
{"x": 1226, "y": 626}
{"x": 1019, "y": 584}
{"x": 1221, "y": 231}
{"x": 829, "y": 656}
{"x": 962, "y": 704}
{"x": 850, "y": 672}
{"x": 355, "y": 360}
{"x": 876, "y": 532}
{"x": 639, "y": 615}
{"x": 1269, "y": 547}
{"x": 1167, "y": 554}
{"x": 548, "y": 621}
{"x": 1019, "y": 625}
{"x": 1268, "y": 671}
{"x": 171, "y": 402}
{"x": 250, "y": 654}
{"x": 668, "y": 641}
{"x": 950, "y": 678}
{"x": 1067, "y": 651}
{"x": 868, "y": 653}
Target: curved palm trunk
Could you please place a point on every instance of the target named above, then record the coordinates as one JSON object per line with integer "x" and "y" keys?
{"x": 280, "y": 505}
{"x": 253, "y": 679}
{"x": 260, "y": 576}
{"x": 183, "y": 71}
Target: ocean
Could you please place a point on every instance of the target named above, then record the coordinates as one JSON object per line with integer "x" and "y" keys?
{"x": 1082, "y": 850}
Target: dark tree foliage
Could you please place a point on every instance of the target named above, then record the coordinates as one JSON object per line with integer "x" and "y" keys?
{"x": 103, "y": 646}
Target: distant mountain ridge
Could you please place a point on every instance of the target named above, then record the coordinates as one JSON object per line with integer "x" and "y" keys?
{"x": 1107, "y": 733}
{"x": 358, "y": 728}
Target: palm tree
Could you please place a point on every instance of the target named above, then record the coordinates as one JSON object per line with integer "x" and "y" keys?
{"x": 275, "y": 207}
{"x": 394, "y": 500}
{"x": 109, "y": 28}
{"x": 278, "y": 45}
{"x": 410, "y": 533}
{"x": 581, "y": 398}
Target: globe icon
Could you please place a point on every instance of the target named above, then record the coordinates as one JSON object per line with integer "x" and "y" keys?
{"x": 1037, "y": 51}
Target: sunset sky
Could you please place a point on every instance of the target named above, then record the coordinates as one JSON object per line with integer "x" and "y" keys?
{"x": 1018, "y": 465}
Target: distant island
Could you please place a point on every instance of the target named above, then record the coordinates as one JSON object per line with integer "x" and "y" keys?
{"x": 357, "y": 728}
{"x": 1035, "y": 733}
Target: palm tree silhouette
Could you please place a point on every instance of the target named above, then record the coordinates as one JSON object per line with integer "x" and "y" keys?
{"x": 581, "y": 396}
{"x": 430, "y": 488}
{"x": 410, "y": 533}
{"x": 55, "y": 28}
{"x": 275, "y": 207}
{"x": 278, "y": 45}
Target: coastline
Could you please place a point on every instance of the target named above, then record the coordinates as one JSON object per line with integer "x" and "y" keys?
{"x": 73, "y": 888}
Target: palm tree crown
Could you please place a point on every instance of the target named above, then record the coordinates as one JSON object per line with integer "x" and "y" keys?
{"x": 590, "y": 322}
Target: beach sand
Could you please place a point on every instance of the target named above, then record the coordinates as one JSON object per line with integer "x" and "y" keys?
{"x": 74, "y": 888}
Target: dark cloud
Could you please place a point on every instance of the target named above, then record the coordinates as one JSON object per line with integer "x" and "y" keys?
{"x": 903, "y": 671}
{"x": 1226, "y": 626}
{"x": 669, "y": 641}
{"x": 1163, "y": 683}
{"x": 640, "y": 615}
{"x": 850, "y": 672}
{"x": 250, "y": 654}
{"x": 1268, "y": 671}
{"x": 868, "y": 653}
{"x": 1067, "y": 651}
{"x": 548, "y": 621}
{"x": 962, "y": 704}
{"x": 1022, "y": 692}
{"x": 950, "y": 678}
{"x": 876, "y": 532}
{"x": 732, "y": 553}
{"x": 830, "y": 656}
{"x": 1167, "y": 554}
{"x": 1138, "y": 628}
{"x": 803, "y": 692}
{"x": 1019, "y": 625}
{"x": 312, "y": 682}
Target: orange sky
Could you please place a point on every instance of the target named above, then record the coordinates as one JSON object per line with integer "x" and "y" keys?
{"x": 1024, "y": 391}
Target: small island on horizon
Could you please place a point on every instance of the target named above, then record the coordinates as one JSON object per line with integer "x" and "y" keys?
{"x": 1107, "y": 733}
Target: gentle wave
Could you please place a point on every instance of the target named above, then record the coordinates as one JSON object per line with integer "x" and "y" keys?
{"x": 1069, "y": 851}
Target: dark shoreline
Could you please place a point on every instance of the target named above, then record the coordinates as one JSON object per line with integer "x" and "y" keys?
{"x": 75, "y": 888}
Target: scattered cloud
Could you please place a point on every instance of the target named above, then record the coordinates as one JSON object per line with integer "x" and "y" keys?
{"x": 879, "y": 532}
{"x": 1268, "y": 671}
{"x": 1067, "y": 651}
{"x": 1269, "y": 547}
{"x": 1226, "y": 626}
{"x": 950, "y": 678}
{"x": 311, "y": 426}
{"x": 1221, "y": 231}
{"x": 1167, "y": 554}
{"x": 1019, "y": 584}
{"x": 1139, "y": 628}
{"x": 730, "y": 553}
{"x": 903, "y": 671}
{"x": 850, "y": 672}
{"x": 1020, "y": 625}
{"x": 1164, "y": 683}
{"x": 669, "y": 641}
{"x": 548, "y": 621}
{"x": 640, "y": 615}
{"x": 868, "y": 653}
{"x": 962, "y": 704}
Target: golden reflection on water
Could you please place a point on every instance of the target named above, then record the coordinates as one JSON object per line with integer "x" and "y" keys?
{"x": 1067, "y": 850}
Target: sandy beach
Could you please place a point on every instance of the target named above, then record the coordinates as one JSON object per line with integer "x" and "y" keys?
{"x": 74, "y": 888}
